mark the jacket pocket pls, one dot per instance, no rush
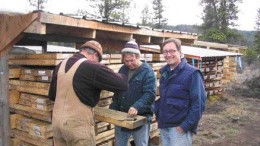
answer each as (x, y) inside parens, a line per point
(177, 110)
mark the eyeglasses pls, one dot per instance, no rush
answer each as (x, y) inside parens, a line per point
(165, 52)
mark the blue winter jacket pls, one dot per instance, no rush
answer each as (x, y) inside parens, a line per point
(182, 97)
(141, 93)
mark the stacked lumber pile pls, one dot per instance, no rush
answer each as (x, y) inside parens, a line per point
(229, 71)
(30, 77)
(213, 73)
(31, 110)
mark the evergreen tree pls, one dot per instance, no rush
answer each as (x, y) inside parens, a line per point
(218, 16)
(38, 4)
(111, 9)
(146, 17)
(159, 21)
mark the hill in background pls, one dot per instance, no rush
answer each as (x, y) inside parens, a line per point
(247, 35)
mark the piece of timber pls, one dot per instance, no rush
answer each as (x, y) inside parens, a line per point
(107, 143)
(37, 72)
(116, 56)
(30, 84)
(40, 56)
(32, 90)
(104, 136)
(13, 120)
(18, 142)
(14, 96)
(31, 139)
(14, 73)
(31, 112)
(30, 87)
(35, 62)
(118, 118)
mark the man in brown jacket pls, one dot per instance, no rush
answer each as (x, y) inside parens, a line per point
(75, 88)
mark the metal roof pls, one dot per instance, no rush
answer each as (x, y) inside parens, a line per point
(202, 52)
(198, 52)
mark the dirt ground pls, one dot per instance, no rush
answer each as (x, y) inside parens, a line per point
(233, 120)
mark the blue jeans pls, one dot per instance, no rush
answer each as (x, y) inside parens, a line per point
(171, 137)
(140, 136)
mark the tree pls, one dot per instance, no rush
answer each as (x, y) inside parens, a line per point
(111, 9)
(38, 4)
(257, 34)
(146, 17)
(218, 16)
(159, 21)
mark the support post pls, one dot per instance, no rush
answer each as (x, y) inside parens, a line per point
(4, 102)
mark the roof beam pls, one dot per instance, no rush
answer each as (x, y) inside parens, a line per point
(157, 40)
(71, 31)
(114, 35)
(12, 32)
(142, 39)
(36, 27)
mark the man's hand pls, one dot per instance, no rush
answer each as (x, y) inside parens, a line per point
(180, 130)
(132, 112)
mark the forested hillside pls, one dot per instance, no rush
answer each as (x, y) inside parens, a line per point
(248, 36)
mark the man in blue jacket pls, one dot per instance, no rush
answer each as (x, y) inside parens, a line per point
(182, 97)
(138, 99)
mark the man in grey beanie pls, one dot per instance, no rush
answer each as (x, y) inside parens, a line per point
(138, 99)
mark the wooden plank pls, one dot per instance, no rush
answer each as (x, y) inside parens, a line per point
(32, 90)
(115, 61)
(31, 139)
(30, 110)
(104, 136)
(13, 120)
(117, 118)
(33, 115)
(90, 24)
(14, 96)
(18, 142)
(115, 56)
(34, 62)
(55, 56)
(19, 24)
(149, 49)
(107, 143)
(104, 102)
(35, 78)
(106, 94)
(30, 84)
(154, 133)
(115, 66)
(37, 72)
(35, 127)
(14, 73)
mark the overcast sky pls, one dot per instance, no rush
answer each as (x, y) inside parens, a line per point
(177, 11)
